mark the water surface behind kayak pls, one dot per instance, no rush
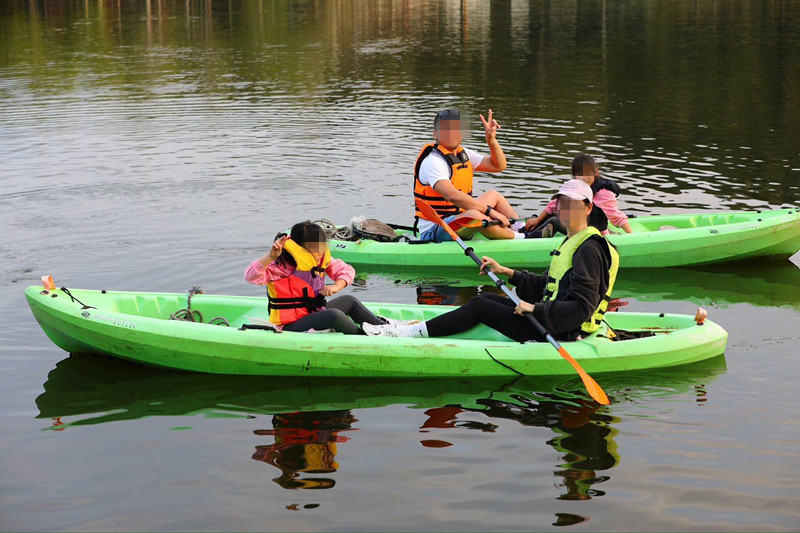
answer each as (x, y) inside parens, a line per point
(156, 145)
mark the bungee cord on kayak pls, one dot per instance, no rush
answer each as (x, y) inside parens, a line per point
(193, 315)
(68, 293)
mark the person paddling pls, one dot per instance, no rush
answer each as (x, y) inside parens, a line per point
(443, 178)
(605, 191)
(294, 272)
(569, 299)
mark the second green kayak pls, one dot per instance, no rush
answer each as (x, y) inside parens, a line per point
(657, 241)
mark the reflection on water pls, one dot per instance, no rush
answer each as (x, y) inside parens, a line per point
(583, 436)
(305, 442)
(310, 417)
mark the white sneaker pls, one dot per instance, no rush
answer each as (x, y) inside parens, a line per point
(390, 330)
(383, 330)
(398, 322)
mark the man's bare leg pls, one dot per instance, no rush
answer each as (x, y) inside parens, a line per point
(498, 202)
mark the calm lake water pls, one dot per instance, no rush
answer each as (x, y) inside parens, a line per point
(153, 145)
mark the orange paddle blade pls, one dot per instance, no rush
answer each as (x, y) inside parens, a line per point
(430, 213)
(463, 222)
(594, 390)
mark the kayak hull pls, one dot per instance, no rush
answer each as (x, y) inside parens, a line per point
(698, 240)
(135, 327)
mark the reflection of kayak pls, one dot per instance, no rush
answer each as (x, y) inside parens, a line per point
(773, 285)
(658, 241)
(136, 327)
(97, 390)
(776, 284)
(110, 390)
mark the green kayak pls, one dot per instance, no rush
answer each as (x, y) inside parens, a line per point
(137, 327)
(657, 241)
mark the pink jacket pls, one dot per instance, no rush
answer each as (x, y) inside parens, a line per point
(259, 274)
(605, 200)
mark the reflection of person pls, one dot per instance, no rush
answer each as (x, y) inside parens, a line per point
(443, 178)
(444, 295)
(305, 442)
(587, 446)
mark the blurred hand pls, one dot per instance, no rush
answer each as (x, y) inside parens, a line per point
(523, 307)
(489, 264)
(490, 126)
(329, 290)
(277, 247)
(495, 215)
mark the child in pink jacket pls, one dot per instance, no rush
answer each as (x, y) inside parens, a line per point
(605, 209)
(294, 272)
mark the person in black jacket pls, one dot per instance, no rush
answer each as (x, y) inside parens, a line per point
(579, 293)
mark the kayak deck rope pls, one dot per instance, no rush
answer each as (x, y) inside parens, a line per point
(75, 300)
(193, 315)
(344, 233)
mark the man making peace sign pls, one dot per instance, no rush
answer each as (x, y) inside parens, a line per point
(443, 179)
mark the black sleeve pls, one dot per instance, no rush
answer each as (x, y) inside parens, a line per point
(587, 278)
(530, 287)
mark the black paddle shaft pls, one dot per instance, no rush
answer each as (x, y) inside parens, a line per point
(487, 223)
(503, 287)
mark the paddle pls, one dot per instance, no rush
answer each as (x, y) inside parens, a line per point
(594, 390)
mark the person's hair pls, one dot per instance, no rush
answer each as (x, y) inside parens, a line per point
(301, 233)
(445, 114)
(581, 161)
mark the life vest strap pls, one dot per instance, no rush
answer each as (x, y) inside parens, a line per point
(429, 198)
(312, 303)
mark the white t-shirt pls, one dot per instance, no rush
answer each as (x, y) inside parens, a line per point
(434, 168)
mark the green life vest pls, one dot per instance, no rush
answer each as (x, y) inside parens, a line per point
(562, 262)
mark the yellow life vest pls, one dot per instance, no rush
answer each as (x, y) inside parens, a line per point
(562, 262)
(298, 294)
(460, 176)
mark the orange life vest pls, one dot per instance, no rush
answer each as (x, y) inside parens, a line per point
(298, 294)
(460, 177)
